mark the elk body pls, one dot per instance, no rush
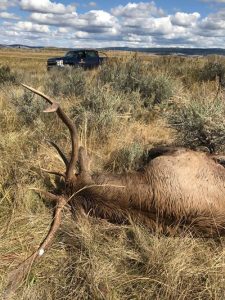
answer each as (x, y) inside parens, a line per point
(178, 188)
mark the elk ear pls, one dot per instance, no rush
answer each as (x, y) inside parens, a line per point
(84, 161)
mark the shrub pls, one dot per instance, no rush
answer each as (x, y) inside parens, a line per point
(155, 90)
(211, 71)
(129, 157)
(27, 108)
(200, 123)
(67, 82)
(6, 75)
(122, 75)
(133, 75)
(100, 109)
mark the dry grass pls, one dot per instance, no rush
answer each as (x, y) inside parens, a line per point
(93, 259)
(25, 58)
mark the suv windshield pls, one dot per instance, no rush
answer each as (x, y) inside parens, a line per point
(71, 54)
(77, 54)
(91, 54)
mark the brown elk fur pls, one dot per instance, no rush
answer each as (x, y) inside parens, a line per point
(178, 189)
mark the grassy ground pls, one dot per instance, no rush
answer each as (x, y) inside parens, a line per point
(122, 110)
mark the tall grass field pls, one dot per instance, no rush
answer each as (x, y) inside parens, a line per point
(127, 106)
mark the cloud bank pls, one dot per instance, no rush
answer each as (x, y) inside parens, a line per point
(141, 24)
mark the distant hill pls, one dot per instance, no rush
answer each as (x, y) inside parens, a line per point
(157, 51)
(3, 46)
(20, 46)
(174, 51)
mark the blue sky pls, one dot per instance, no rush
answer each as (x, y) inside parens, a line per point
(169, 6)
(159, 23)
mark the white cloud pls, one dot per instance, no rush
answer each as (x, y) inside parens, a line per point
(63, 30)
(92, 21)
(150, 26)
(137, 10)
(53, 19)
(6, 15)
(99, 18)
(45, 6)
(30, 27)
(92, 4)
(12, 33)
(213, 25)
(4, 4)
(184, 19)
(81, 35)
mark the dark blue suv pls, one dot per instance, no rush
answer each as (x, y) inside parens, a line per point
(85, 58)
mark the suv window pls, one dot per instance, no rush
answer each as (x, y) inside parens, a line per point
(90, 54)
(80, 54)
(71, 54)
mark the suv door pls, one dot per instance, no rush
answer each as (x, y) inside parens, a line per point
(75, 58)
(70, 58)
(81, 58)
(91, 59)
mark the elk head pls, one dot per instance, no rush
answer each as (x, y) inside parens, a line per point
(76, 177)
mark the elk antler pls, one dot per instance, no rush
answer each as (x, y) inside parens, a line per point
(54, 172)
(61, 154)
(17, 275)
(72, 129)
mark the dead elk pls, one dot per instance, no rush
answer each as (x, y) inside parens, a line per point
(178, 188)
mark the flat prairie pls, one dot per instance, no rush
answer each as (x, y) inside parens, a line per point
(122, 109)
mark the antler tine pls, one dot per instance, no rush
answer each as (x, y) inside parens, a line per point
(72, 129)
(38, 93)
(53, 172)
(61, 154)
(17, 275)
